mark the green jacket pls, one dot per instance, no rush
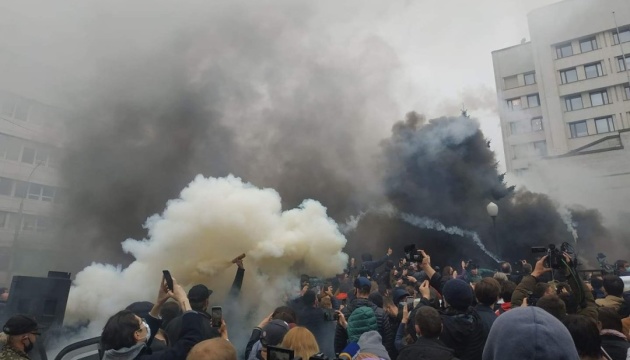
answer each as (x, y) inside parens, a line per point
(362, 320)
(10, 353)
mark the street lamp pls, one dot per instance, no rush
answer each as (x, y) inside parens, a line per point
(493, 211)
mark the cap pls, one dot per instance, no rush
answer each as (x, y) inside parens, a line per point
(199, 293)
(398, 294)
(361, 282)
(273, 332)
(20, 324)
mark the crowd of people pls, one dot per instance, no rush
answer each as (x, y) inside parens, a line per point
(387, 309)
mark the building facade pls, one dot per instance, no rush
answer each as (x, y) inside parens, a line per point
(565, 95)
(31, 194)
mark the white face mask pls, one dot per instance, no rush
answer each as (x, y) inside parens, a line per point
(148, 330)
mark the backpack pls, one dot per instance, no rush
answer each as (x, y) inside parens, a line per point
(362, 319)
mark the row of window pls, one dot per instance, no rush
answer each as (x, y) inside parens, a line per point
(14, 107)
(591, 71)
(33, 191)
(515, 104)
(19, 108)
(603, 125)
(523, 127)
(590, 43)
(512, 82)
(10, 220)
(536, 148)
(574, 102)
(15, 149)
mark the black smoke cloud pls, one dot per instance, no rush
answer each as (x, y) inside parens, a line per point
(443, 169)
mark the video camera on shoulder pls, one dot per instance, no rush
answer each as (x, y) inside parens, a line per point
(554, 255)
(412, 254)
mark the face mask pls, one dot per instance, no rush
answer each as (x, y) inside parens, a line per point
(628, 268)
(29, 347)
(148, 330)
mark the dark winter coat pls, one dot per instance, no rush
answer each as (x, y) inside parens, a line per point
(382, 320)
(615, 345)
(426, 349)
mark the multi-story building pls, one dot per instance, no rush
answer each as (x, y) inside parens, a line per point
(31, 141)
(564, 96)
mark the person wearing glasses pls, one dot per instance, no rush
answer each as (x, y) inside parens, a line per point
(22, 332)
(127, 336)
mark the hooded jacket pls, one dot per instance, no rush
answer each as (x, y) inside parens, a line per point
(382, 321)
(190, 335)
(427, 349)
(611, 301)
(529, 333)
(615, 344)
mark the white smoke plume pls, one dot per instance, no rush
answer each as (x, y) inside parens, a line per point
(196, 237)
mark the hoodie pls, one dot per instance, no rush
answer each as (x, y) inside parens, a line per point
(529, 333)
(126, 353)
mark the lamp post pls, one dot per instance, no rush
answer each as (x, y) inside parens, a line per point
(493, 211)
(18, 225)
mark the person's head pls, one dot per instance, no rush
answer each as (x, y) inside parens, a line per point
(447, 272)
(285, 314)
(370, 342)
(390, 307)
(457, 294)
(169, 311)
(272, 334)
(377, 299)
(124, 329)
(585, 335)
(309, 298)
(474, 269)
(500, 277)
(622, 265)
(597, 282)
(4, 294)
(487, 291)
(506, 268)
(399, 296)
(362, 287)
(21, 332)
(529, 333)
(301, 341)
(609, 319)
(215, 349)
(527, 269)
(541, 289)
(507, 288)
(428, 322)
(199, 297)
(140, 308)
(325, 302)
(613, 285)
(553, 305)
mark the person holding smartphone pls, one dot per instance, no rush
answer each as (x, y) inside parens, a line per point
(126, 336)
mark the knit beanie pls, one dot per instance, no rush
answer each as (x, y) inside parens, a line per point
(458, 294)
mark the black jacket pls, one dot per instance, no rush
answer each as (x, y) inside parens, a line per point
(426, 349)
(615, 346)
(384, 328)
(174, 328)
(487, 315)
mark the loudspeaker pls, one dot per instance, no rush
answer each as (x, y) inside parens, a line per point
(44, 299)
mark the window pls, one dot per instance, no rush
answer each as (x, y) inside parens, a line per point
(623, 65)
(533, 100)
(8, 105)
(574, 102)
(627, 90)
(48, 193)
(514, 104)
(6, 186)
(20, 189)
(537, 124)
(29, 222)
(3, 219)
(604, 125)
(519, 151)
(510, 82)
(599, 98)
(34, 191)
(564, 50)
(41, 156)
(623, 35)
(28, 155)
(568, 76)
(21, 110)
(541, 148)
(593, 70)
(530, 78)
(589, 44)
(578, 129)
(514, 128)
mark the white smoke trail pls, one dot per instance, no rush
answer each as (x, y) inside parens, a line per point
(567, 218)
(197, 235)
(420, 222)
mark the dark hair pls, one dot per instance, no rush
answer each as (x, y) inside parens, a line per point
(597, 282)
(613, 285)
(285, 314)
(428, 321)
(3, 290)
(119, 331)
(169, 311)
(447, 271)
(620, 264)
(540, 289)
(610, 319)
(527, 268)
(309, 298)
(487, 291)
(553, 305)
(507, 288)
(198, 305)
(585, 335)
(506, 268)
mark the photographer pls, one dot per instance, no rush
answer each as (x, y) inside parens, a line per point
(579, 301)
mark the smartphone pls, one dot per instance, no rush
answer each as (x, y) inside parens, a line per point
(168, 278)
(217, 316)
(278, 353)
